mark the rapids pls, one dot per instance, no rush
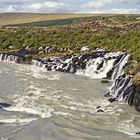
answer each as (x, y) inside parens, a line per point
(42, 105)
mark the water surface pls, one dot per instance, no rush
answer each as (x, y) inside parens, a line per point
(58, 106)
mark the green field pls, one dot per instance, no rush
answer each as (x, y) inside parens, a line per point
(117, 32)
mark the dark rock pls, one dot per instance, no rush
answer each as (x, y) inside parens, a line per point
(107, 94)
(100, 110)
(111, 100)
(4, 105)
(100, 65)
(117, 60)
(98, 107)
(75, 59)
(49, 68)
(109, 73)
(138, 133)
(136, 101)
(64, 65)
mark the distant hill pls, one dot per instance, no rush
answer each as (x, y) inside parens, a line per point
(21, 18)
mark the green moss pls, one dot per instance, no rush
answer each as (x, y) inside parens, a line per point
(136, 79)
(104, 81)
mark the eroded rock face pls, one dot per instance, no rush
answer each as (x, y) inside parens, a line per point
(136, 100)
(127, 89)
(136, 79)
(122, 88)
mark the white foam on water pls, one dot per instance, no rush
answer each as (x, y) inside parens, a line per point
(16, 120)
(42, 112)
(28, 103)
(54, 77)
(61, 113)
(37, 63)
(127, 127)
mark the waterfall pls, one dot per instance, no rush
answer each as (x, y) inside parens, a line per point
(107, 66)
(97, 68)
(96, 65)
(11, 58)
(119, 69)
(37, 63)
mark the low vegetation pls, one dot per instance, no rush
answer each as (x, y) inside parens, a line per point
(106, 32)
(111, 32)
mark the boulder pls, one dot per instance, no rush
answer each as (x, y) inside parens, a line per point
(4, 105)
(136, 100)
(136, 79)
(138, 133)
(85, 48)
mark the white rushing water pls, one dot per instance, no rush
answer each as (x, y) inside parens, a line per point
(92, 70)
(50, 105)
(96, 68)
(54, 105)
(8, 58)
(119, 69)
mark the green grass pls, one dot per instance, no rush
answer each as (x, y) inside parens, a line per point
(79, 34)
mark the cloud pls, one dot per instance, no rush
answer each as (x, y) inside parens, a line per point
(8, 8)
(69, 6)
(33, 6)
(138, 2)
(124, 11)
(49, 7)
(98, 4)
(118, 11)
(48, 4)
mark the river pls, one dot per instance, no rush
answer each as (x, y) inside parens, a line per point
(59, 106)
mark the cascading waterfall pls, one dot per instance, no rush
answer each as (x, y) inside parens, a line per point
(110, 65)
(11, 58)
(122, 88)
(118, 70)
(97, 65)
(37, 63)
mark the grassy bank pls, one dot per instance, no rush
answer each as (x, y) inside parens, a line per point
(114, 33)
(106, 33)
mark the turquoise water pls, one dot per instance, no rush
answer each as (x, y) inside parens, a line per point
(48, 23)
(54, 22)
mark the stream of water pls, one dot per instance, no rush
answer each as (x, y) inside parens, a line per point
(59, 106)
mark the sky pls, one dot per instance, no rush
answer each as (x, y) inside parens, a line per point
(71, 6)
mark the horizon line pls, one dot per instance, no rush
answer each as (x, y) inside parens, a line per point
(68, 13)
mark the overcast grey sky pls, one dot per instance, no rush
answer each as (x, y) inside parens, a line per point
(65, 6)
